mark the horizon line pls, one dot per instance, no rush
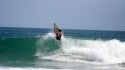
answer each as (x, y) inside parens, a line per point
(62, 29)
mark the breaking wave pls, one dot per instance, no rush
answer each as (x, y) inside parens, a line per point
(80, 50)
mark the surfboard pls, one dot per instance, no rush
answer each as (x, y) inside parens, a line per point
(55, 27)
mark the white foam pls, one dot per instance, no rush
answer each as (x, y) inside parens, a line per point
(49, 35)
(110, 51)
(11, 68)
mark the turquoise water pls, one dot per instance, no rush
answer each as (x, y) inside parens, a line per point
(35, 48)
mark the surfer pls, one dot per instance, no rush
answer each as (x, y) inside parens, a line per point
(58, 33)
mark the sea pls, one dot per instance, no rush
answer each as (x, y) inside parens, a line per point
(37, 49)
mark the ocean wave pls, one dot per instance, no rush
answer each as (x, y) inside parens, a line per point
(99, 51)
(68, 50)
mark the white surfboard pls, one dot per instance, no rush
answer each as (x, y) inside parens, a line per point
(55, 27)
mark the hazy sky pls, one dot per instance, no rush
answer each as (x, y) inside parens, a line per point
(72, 14)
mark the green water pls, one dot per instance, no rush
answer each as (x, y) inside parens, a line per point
(15, 50)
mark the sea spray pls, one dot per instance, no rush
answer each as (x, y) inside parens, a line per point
(47, 44)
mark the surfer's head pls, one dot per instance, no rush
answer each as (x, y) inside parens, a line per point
(59, 30)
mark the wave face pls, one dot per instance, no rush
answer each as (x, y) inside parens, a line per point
(17, 50)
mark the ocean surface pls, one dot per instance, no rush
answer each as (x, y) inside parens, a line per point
(37, 49)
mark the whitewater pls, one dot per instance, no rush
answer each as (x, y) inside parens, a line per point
(94, 51)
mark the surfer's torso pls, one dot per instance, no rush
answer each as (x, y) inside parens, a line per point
(58, 35)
